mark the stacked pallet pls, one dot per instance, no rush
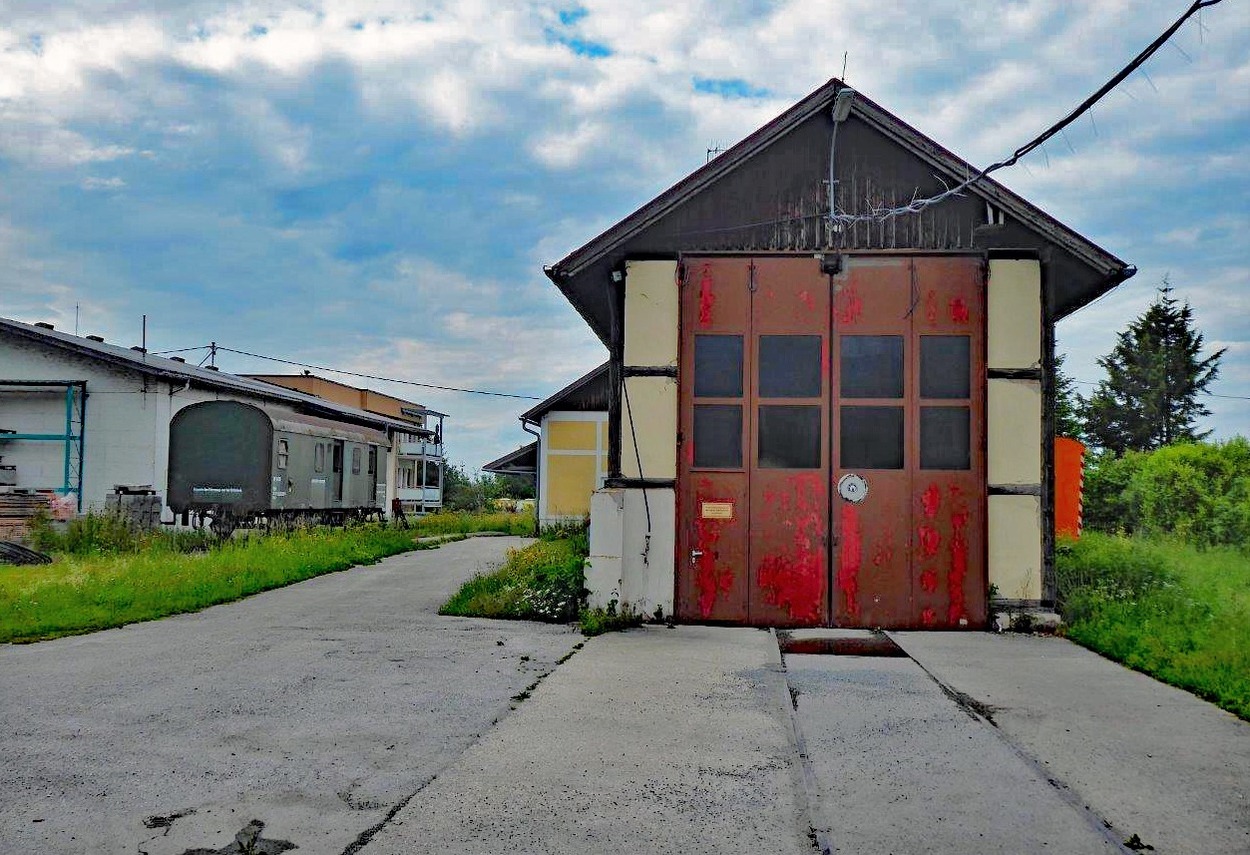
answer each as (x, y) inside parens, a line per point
(17, 507)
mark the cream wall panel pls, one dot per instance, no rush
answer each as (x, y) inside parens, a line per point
(651, 312)
(653, 403)
(1014, 314)
(1014, 441)
(1015, 546)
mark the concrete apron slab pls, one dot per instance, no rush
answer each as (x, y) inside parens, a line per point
(898, 767)
(656, 740)
(1152, 760)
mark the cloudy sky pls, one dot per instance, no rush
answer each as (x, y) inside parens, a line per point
(376, 185)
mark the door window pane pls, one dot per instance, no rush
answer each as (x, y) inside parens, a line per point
(944, 441)
(944, 366)
(718, 436)
(789, 437)
(718, 366)
(872, 438)
(872, 366)
(790, 366)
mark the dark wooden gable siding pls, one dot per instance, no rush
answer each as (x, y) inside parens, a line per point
(774, 198)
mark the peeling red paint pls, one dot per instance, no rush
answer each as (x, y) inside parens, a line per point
(849, 558)
(850, 305)
(929, 539)
(710, 579)
(959, 310)
(706, 298)
(959, 565)
(806, 297)
(931, 307)
(883, 550)
(795, 579)
(928, 617)
(931, 499)
(929, 579)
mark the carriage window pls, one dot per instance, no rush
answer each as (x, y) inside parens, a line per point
(373, 460)
(355, 461)
(944, 366)
(944, 441)
(718, 436)
(872, 366)
(718, 366)
(872, 438)
(789, 437)
(319, 458)
(790, 366)
(284, 454)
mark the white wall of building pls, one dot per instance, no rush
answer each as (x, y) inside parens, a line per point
(127, 424)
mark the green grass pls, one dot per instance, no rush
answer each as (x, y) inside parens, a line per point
(83, 593)
(467, 523)
(1167, 609)
(543, 581)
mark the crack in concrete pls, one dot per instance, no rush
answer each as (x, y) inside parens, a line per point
(362, 840)
(818, 837)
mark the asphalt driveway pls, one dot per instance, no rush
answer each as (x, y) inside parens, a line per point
(316, 709)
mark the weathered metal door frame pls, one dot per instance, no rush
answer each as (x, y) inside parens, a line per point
(715, 505)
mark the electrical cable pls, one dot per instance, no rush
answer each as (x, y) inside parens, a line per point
(646, 503)
(918, 205)
(376, 376)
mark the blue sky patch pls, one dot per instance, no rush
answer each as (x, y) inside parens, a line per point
(729, 87)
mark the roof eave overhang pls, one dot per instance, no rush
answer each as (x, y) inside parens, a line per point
(1112, 269)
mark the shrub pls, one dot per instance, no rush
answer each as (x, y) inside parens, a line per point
(1197, 491)
(543, 581)
(458, 522)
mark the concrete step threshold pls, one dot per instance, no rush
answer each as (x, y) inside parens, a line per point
(838, 642)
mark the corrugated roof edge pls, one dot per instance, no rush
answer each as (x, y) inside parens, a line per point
(535, 413)
(876, 116)
(168, 369)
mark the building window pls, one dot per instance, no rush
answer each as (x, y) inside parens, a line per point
(284, 455)
(356, 460)
(872, 366)
(718, 366)
(790, 366)
(789, 437)
(872, 438)
(718, 436)
(319, 458)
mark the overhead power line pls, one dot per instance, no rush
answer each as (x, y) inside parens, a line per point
(223, 349)
(917, 205)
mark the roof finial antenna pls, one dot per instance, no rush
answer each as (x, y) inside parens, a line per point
(845, 54)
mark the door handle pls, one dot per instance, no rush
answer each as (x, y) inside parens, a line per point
(695, 555)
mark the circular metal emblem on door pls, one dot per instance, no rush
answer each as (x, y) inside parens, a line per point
(853, 488)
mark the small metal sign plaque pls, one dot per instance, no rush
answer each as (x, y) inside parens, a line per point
(716, 510)
(853, 488)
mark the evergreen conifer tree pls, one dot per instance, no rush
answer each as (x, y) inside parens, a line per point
(1067, 409)
(1150, 397)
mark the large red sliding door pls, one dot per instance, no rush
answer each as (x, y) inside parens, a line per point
(849, 405)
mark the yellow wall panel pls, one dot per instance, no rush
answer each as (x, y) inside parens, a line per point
(571, 478)
(570, 435)
(1015, 546)
(653, 402)
(1014, 428)
(1014, 338)
(651, 312)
